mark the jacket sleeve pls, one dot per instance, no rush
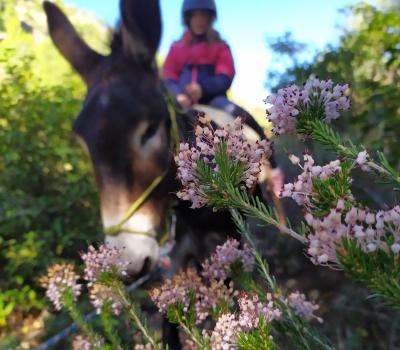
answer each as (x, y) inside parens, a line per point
(224, 73)
(170, 72)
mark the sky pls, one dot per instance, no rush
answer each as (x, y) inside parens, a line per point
(245, 25)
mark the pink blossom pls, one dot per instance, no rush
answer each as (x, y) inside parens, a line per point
(176, 290)
(369, 229)
(224, 333)
(302, 190)
(292, 102)
(209, 296)
(59, 279)
(302, 306)
(218, 266)
(252, 310)
(82, 343)
(362, 158)
(208, 140)
(100, 294)
(103, 259)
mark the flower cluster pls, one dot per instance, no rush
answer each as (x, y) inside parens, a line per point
(210, 296)
(208, 141)
(176, 290)
(60, 278)
(302, 306)
(100, 294)
(369, 229)
(186, 288)
(81, 343)
(208, 293)
(362, 158)
(302, 189)
(103, 259)
(225, 331)
(219, 264)
(251, 310)
(292, 102)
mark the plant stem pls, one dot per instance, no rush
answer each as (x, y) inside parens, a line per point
(193, 335)
(132, 313)
(261, 212)
(106, 321)
(77, 317)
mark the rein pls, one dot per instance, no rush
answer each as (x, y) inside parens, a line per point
(174, 136)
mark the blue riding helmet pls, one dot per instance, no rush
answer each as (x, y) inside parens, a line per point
(190, 5)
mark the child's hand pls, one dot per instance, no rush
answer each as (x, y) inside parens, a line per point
(194, 91)
(184, 100)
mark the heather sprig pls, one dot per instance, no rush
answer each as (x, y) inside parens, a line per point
(102, 260)
(293, 107)
(61, 278)
(325, 135)
(292, 323)
(220, 155)
(218, 266)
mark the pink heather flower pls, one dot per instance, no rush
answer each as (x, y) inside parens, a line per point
(143, 347)
(81, 343)
(99, 294)
(218, 266)
(60, 278)
(367, 228)
(362, 158)
(252, 310)
(292, 101)
(295, 160)
(302, 306)
(252, 156)
(209, 296)
(283, 112)
(103, 259)
(176, 290)
(224, 333)
(302, 190)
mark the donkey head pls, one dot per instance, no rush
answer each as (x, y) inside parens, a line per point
(123, 124)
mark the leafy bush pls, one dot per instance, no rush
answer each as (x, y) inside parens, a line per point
(48, 204)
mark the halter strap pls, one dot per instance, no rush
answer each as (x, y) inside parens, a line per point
(116, 229)
(174, 135)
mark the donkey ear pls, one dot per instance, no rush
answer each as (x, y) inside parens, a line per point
(141, 27)
(69, 43)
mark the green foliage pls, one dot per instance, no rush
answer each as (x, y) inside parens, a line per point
(259, 339)
(379, 270)
(230, 173)
(48, 204)
(329, 190)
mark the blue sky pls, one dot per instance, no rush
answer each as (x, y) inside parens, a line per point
(245, 24)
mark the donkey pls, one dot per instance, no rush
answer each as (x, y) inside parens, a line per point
(124, 125)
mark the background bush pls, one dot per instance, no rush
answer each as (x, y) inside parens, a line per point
(48, 204)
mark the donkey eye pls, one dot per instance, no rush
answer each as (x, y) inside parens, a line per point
(149, 133)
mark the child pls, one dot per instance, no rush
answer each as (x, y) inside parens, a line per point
(199, 67)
